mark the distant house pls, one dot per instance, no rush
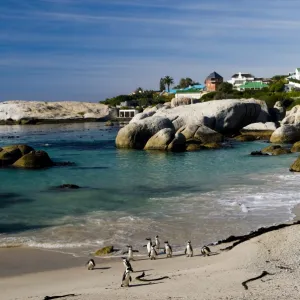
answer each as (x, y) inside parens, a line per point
(254, 85)
(212, 81)
(239, 79)
(294, 79)
(127, 113)
(193, 91)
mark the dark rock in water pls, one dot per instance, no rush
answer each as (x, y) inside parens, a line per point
(104, 250)
(10, 154)
(68, 186)
(275, 150)
(6, 202)
(295, 167)
(34, 160)
(64, 164)
(259, 153)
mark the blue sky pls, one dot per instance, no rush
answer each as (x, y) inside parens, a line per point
(88, 50)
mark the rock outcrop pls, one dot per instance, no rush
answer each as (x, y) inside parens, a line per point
(32, 112)
(278, 112)
(296, 147)
(259, 130)
(200, 133)
(34, 160)
(136, 134)
(199, 123)
(220, 115)
(275, 150)
(161, 139)
(293, 118)
(10, 154)
(286, 134)
(181, 101)
(105, 250)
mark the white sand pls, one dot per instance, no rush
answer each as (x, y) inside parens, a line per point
(215, 277)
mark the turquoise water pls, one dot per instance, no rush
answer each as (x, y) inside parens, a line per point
(127, 196)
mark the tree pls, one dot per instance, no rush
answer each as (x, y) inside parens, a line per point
(168, 80)
(186, 82)
(162, 85)
(225, 87)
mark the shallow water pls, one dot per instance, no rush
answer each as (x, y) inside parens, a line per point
(129, 195)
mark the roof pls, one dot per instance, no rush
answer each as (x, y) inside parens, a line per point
(253, 85)
(214, 75)
(247, 75)
(191, 90)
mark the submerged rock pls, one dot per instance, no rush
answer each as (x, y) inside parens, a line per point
(258, 153)
(34, 160)
(105, 250)
(68, 186)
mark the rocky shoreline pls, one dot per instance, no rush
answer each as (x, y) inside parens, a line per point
(37, 112)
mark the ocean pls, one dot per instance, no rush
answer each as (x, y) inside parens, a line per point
(128, 195)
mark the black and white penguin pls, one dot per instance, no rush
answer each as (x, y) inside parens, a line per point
(130, 253)
(168, 249)
(90, 264)
(153, 253)
(149, 245)
(127, 264)
(189, 250)
(157, 243)
(126, 278)
(205, 251)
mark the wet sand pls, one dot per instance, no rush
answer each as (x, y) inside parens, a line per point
(215, 277)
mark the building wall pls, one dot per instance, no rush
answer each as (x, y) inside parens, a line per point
(211, 86)
(188, 95)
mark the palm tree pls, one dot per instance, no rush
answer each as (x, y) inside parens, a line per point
(168, 80)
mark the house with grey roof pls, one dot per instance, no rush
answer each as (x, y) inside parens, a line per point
(212, 81)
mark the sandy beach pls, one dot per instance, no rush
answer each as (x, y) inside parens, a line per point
(34, 274)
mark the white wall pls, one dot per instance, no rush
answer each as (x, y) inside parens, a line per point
(189, 95)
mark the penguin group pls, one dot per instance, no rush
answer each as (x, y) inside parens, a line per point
(153, 250)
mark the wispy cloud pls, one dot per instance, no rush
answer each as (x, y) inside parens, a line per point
(98, 48)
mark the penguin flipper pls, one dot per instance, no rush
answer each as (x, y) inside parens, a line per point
(125, 252)
(185, 251)
(124, 276)
(130, 278)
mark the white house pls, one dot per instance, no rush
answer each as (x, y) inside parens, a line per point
(127, 113)
(294, 79)
(240, 79)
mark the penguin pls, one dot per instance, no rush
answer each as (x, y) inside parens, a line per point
(126, 278)
(157, 243)
(130, 253)
(168, 249)
(205, 251)
(127, 264)
(189, 250)
(149, 244)
(91, 264)
(153, 253)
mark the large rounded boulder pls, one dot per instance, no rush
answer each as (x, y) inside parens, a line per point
(34, 160)
(160, 140)
(10, 154)
(286, 134)
(135, 135)
(200, 133)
